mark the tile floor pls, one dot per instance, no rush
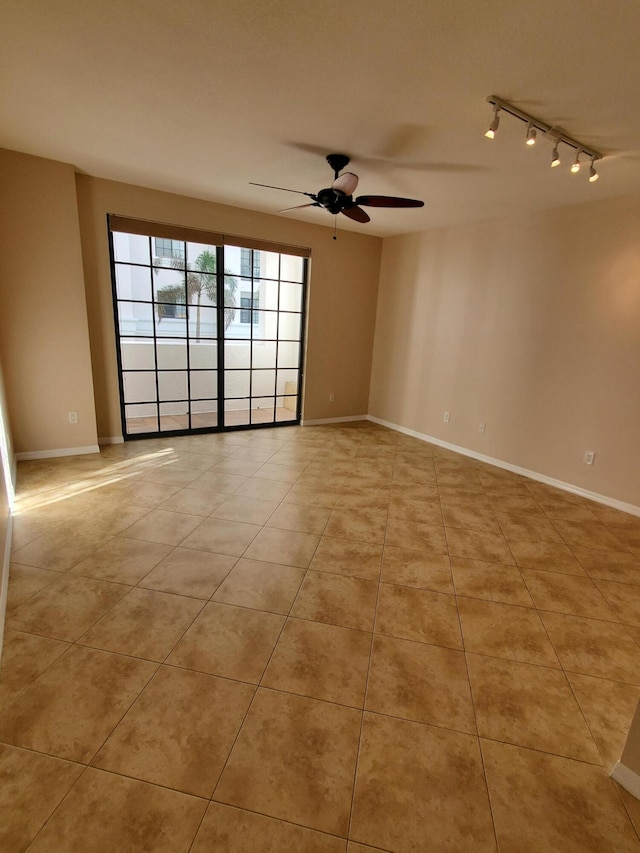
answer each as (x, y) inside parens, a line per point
(315, 639)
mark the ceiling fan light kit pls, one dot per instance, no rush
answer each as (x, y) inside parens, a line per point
(533, 126)
(338, 198)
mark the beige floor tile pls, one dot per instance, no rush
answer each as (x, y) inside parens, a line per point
(593, 647)
(167, 528)
(472, 545)
(233, 830)
(371, 498)
(303, 519)
(218, 481)
(105, 521)
(172, 475)
(545, 556)
(575, 596)
(491, 581)
(543, 802)
(147, 494)
(109, 812)
(262, 586)
(57, 550)
(250, 510)
(283, 546)
(194, 502)
(122, 560)
(283, 473)
(619, 566)
(232, 642)
(292, 750)
(415, 681)
(425, 512)
(420, 569)
(632, 805)
(320, 661)
(236, 465)
(608, 707)
(222, 537)
(179, 732)
(188, 572)
(346, 557)
(426, 492)
(624, 598)
(587, 535)
(25, 581)
(420, 788)
(416, 536)
(67, 608)
(505, 631)
(418, 614)
(31, 786)
(354, 847)
(145, 624)
(469, 517)
(357, 525)
(529, 527)
(530, 706)
(345, 601)
(71, 708)
(24, 658)
(268, 490)
(310, 495)
(25, 530)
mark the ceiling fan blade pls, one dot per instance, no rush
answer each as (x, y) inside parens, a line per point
(269, 187)
(298, 206)
(357, 213)
(387, 201)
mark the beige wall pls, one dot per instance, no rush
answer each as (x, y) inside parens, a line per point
(44, 343)
(531, 326)
(342, 295)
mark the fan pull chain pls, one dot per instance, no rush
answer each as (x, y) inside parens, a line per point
(335, 227)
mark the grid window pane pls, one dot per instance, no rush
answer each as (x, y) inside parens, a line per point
(236, 412)
(290, 296)
(139, 387)
(203, 322)
(131, 248)
(264, 354)
(173, 416)
(288, 354)
(203, 354)
(172, 355)
(263, 383)
(204, 383)
(135, 319)
(291, 268)
(172, 385)
(237, 354)
(141, 418)
(287, 382)
(237, 383)
(289, 326)
(137, 354)
(133, 282)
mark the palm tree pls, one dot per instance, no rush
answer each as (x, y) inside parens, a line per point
(201, 279)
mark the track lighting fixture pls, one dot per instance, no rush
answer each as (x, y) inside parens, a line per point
(535, 126)
(491, 132)
(576, 163)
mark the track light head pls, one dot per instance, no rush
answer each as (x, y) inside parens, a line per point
(593, 175)
(555, 157)
(491, 132)
(576, 163)
(531, 135)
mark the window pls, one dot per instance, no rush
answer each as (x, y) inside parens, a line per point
(245, 308)
(249, 267)
(169, 248)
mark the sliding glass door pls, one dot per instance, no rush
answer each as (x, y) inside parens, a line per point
(209, 335)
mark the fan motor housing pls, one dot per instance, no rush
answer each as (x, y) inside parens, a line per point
(333, 200)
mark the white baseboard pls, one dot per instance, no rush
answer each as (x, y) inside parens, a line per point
(629, 780)
(4, 578)
(516, 469)
(110, 439)
(346, 419)
(59, 451)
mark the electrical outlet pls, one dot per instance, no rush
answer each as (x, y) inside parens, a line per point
(332, 397)
(446, 417)
(481, 427)
(73, 417)
(589, 456)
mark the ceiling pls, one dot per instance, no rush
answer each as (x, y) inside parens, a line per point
(200, 97)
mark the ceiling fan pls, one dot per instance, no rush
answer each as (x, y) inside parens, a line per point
(338, 198)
